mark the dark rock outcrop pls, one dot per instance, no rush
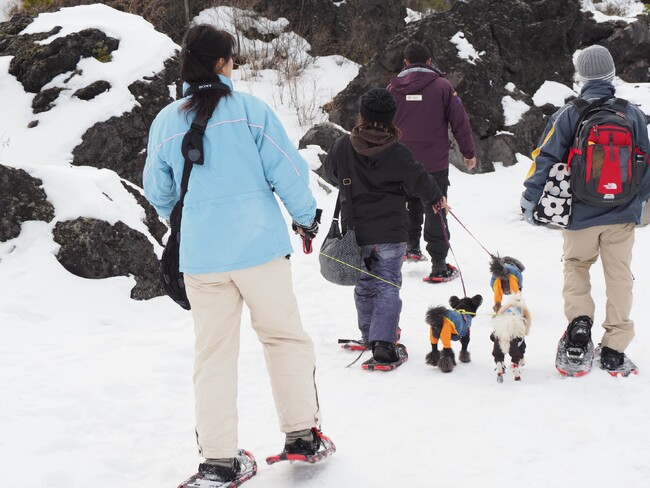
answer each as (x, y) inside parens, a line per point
(44, 100)
(95, 249)
(21, 199)
(119, 142)
(355, 29)
(35, 65)
(11, 43)
(323, 136)
(91, 91)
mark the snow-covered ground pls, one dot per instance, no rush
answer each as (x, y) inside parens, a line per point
(96, 390)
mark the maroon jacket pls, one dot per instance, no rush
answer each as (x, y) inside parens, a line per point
(426, 105)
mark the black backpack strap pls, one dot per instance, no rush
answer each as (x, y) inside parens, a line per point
(584, 107)
(580, 104)
(620, 105)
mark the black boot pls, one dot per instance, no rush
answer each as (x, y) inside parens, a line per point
(610, 359)
(384, 352)
(579, 332)
(304, 442)
(225, 469)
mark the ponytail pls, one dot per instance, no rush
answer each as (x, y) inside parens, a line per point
(203, 46)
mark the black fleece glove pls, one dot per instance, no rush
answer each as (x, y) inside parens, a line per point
(311, 230)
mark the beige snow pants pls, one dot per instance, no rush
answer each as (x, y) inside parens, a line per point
(217, 300)
(581, 249)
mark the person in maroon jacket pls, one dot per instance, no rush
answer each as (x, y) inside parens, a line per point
(427, 105)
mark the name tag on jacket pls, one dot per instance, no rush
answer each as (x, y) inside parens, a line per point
(413, 98)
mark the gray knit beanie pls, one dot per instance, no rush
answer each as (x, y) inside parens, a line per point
(595, 63)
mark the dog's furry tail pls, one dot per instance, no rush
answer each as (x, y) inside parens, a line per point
(497, 268)
(497, 265)
(515, 262)
(435, 317)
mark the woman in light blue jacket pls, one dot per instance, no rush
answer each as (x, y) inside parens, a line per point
(234, 247)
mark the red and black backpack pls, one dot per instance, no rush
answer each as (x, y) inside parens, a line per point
(606, 166)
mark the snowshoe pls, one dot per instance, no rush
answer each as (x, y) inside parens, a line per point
(451, 273)
(247, 469)
(573, 360)
(616, 364)
(326, 448)
(414, 256)
(373, 365)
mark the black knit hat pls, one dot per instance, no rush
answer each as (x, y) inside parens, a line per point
(378, 105)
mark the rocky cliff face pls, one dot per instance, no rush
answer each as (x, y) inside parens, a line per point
(355, 29)
(523, 43)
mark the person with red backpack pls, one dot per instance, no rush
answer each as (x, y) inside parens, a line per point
(604, 143)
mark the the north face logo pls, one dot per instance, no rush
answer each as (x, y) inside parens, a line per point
(611, 186)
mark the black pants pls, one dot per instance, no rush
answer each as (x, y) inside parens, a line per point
(434, 232)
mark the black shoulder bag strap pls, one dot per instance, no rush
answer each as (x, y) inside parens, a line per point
(192, 150)
(346, 181)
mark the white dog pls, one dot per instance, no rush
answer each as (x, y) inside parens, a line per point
(511, 325)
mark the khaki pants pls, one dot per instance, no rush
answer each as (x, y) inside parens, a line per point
(217, 300)
(581, 249)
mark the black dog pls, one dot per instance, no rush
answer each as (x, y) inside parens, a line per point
(451, 325)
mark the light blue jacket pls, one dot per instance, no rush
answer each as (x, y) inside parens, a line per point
(231, 217)
(554, 146)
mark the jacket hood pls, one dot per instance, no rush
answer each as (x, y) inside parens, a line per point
(370, 141)
(414, 78)
(597, 89)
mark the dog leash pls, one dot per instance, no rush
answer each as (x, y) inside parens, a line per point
(474, 237)
(444, 232)
(359, 269)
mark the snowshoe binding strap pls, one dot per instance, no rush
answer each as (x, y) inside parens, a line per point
(327, 448)
(353, 345)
